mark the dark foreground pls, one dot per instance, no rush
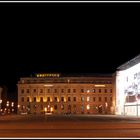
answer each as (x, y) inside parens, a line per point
(69, 126)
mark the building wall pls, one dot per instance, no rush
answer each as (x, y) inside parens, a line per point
(75, 98)
(128, 91)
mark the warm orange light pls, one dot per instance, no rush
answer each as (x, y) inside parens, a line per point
(44, 99)
(88, 107)
(51, 109)
(45, 109)
(99, 85)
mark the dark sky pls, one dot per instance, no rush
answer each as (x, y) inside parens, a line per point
(66, 38)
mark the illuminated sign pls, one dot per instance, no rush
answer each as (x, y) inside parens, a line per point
(99, 85)
(48, 75)
(48, 85)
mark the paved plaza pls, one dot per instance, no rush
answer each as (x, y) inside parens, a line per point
(69, 126)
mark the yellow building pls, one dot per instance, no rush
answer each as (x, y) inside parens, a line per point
(53, 93)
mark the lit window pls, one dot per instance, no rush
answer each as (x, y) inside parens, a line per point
(82, 98)
(88, 98)
(88, 107)
(94, 90)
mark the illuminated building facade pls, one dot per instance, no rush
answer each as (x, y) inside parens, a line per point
(53, 93)
(128, 88)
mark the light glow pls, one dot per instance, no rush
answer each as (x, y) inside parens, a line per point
(45, 109)
(99, 85)
(51, 109)
(88, 107)
(48, 85)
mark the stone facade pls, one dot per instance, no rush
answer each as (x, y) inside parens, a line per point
(66, 94)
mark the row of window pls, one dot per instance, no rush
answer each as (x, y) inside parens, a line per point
(56, 99)
(69, 90)
(62, 107)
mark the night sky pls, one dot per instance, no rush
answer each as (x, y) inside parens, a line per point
(74, 38)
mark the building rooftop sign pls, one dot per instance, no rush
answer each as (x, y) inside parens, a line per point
(47, 75)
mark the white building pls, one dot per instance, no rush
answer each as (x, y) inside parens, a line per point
(128, 88)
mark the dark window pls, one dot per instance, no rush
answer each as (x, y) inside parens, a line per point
(74, 98)
(41, 99)
(82, 90)
(28, 99)
(99, 90)
(34, 90)
(55, 99)
(62, 99)
(94, 90)
(105, 99)
(34, 99)
(62, 90)
(74, 90)
(41, 90)
(105, 90)
(100, 99)
(68, 90)
(94, 99)
(68, 98)
(55, 107)
(48, 99)
(28, 91)
(110, 90)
